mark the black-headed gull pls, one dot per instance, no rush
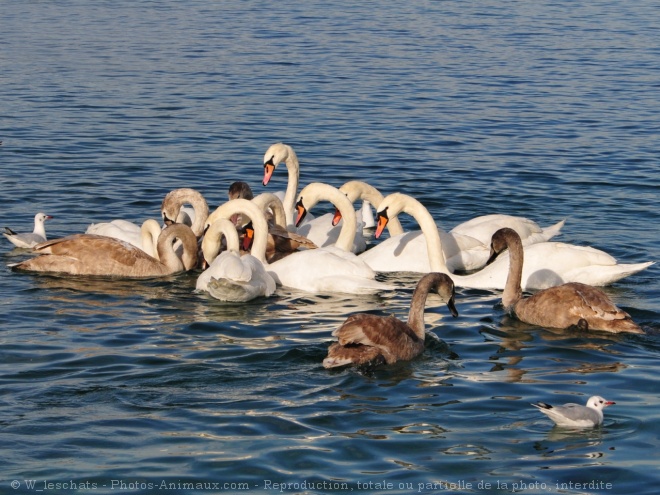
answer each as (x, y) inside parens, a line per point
(29, 239)
(575, 415)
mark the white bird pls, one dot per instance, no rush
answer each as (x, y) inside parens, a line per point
(546, 263)
(575, 415)
(328, 269)
(230, 276)
(29, 239)
(323, 230)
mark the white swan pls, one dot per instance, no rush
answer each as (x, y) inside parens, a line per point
(321, 230)
(174, 201)
(230, 276)
(144, 237)
(356, 190)
(29, 239)
(95, 255)
(483, 227)
(327, 269)
(546, 263)
(283, 153)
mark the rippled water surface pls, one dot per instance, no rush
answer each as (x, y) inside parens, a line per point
(547, 110)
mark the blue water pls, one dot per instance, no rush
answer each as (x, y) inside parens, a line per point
(547, 110)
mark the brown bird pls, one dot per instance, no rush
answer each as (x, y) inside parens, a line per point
(366, 338)
(96, 255)
(569, 305)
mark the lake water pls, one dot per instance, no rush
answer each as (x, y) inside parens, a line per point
(547, 110)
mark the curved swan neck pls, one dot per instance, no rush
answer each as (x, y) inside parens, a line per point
(268, 201)
(318, 191)
(174, 200)
(251, 210)
(166, 253)
(357, 189)
(439, 283)
(509, 238)
(212, 242)
(149, 233)
(397, 203)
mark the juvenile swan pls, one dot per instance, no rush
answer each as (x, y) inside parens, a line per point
(29, 239)
(562, 306)
(89, 254)
(365, 338)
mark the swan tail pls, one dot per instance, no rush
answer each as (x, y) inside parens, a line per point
(606, 275)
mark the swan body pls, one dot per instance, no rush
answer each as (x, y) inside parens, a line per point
(563, 306)
(576, 415)
(483, 227)
(27, 240)
(320, 230)
(327, 269)
(144, 237)
(174, 202)
(366, 338)
(89, 254)
(231, 276)
(546, 263)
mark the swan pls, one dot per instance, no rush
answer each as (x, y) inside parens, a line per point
(483, 227)
(172, 205)
(321, 230)
(230, 276)
(563, 306)
(144, 237)
(327, 269)
(366, 338)
(281, 242)
(546, 263)
(356, 190)
(89, 254)
(29, 239)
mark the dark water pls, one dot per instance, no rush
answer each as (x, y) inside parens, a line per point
(541, 109)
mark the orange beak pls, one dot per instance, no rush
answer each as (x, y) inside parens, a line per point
(337, 218)
(382, 223)
(248, 237)
(269, 168)
(302, 212)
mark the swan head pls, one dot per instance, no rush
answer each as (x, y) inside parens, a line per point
(500, 242)
(276, 154)
(240, 189)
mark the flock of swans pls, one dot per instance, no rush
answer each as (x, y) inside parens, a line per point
(251, 244)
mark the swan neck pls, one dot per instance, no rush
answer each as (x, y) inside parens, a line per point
(417, 304)
(512, 288)
(293, 168)
(315, 192)
(212, 242)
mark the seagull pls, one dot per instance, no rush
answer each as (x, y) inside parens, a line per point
(575, 415)
(29, 239)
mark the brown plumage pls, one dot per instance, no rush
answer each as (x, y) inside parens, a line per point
(96, 255)
(573, 305)
(366, 338)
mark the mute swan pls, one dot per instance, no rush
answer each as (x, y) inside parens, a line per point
(365, 338)
(89, 254)
(328, 269)
(575, 415)
(562, 306)
(29, 239)
(174, 201)
(230, 276)
(144, 237)
(281, 242)
(321, 230)
(546, 263)
(356, 189)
